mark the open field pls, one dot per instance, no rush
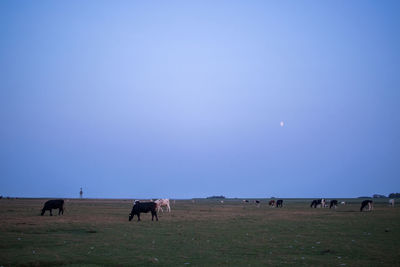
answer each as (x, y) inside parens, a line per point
(203, 233)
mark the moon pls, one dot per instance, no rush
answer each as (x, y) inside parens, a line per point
(282, 123)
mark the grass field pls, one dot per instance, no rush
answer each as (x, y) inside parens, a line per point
(203, 233)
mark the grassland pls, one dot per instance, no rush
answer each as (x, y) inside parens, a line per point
(203, 233)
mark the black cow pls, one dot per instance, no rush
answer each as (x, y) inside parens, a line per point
(145, 207)
(366, 203)
(279, 203)
(53, 204)
(333, 203)
(317, 202)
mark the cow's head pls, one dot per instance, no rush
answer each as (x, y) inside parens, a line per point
(130, 216)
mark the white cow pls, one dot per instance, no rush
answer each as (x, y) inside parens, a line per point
(163, 202)
(391, 202)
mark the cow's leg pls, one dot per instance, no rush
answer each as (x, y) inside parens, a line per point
(155, 214)
(138, 217)
(51, 214)
(168, 208)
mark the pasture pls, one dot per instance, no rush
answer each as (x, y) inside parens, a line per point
(203, 233)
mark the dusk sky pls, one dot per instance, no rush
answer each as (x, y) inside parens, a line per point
(182, 99)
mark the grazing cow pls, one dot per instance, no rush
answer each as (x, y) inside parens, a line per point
(163, 202)
(318, 202)
(391, 202)
(271, 203)
(333, 203)
(367, 203)
(145, 207)
(279, 203)
(53, 204)
(245, 201)
(257, 202)
(343, 203)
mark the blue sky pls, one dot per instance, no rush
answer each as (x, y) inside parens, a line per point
(182, 99)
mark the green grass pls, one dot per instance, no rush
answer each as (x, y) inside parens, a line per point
(204, 233)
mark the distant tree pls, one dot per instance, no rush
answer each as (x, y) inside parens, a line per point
(364, 197)
(378, 196)
(216, 197)
(394, 195)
